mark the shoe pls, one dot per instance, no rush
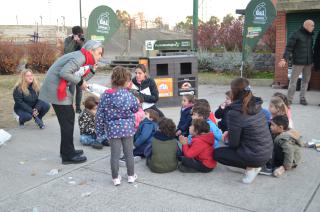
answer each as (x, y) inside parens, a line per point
(78, 151)
(16, 117)
(303, 102)
(105, 143)
(132, 179)
(250, 175)
(78, 110)
(279, 171)
(117, 181)
(97, 145)
(39, 122)
(266, 171)
(136, 159)
(185, 169)
(74, 160)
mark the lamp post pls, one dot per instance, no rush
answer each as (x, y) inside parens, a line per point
(40, 19)
(80, 13)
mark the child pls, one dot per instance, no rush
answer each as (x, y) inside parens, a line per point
(203, 114)
(286, 102)
(221, 112)
(161, 152)
(146, 130)
(185, 115)
(205, 103)
(198, 156)
(115, 119)
(287, 143)
(87, 123)
(278, 107)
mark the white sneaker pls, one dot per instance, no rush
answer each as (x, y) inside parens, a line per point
(250, 175)
(117, 181)
(136, 159)
(133, 178)
(16, 117)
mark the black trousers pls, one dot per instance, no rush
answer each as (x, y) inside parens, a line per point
(66, 116)
(78, 96)
(194, 164)
(230, 157)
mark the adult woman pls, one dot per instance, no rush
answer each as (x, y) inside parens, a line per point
(58, 89)
(26, 102)
(250, 142)
(147, 89)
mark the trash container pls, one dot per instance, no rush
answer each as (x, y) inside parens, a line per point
(175, 76)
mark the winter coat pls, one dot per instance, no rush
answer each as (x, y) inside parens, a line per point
(147, 90)
(86, 122)
(115, 114)
(145, 132)
(201, 149)
(290, 142)
(249, 133)
(26, 102)
(161, 153)
(71, 45)
(185, 120)
(300, 46)
(64, 67)
(222, 114)
(317, 53)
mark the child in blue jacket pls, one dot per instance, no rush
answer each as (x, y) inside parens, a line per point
(185, 115)
(147, 129)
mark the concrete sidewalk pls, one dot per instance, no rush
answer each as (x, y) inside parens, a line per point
(32, 153)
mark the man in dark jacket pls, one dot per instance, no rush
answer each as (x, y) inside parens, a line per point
(300, 47)
(73, 43)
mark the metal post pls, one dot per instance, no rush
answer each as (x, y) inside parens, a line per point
(80, 13)
(195, 25)
(40, 19)
(17, 19)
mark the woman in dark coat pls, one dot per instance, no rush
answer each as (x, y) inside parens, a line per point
(250, 143)
(26, 102)
(147, 89)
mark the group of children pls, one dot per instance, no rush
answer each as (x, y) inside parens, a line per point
(116, 119)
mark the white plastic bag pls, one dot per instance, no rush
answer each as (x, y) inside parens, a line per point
(4, 137)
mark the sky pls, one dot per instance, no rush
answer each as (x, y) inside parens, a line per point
(28, 12)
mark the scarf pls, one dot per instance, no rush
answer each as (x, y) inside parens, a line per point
(62, 87)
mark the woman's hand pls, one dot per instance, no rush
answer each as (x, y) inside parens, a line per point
(178, 133)
(183, 140)
(35, 112)
(282, 63)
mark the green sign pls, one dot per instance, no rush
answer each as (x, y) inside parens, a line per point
(168, 44)
(259, 16)
(103, 23)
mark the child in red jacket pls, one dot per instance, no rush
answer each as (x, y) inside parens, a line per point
(198, 156)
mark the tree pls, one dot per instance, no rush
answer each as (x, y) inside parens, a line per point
(230, 33)
(158, 21)
(123, 16)
(227, 20)
(214, 21)
(269, 38)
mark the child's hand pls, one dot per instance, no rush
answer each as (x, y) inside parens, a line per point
(183, 140)
(178, 133)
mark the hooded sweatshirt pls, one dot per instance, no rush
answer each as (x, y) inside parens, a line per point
(201, 149)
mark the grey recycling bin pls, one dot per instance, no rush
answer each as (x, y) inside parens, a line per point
(175, 76)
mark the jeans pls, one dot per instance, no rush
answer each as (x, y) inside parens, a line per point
(127, 145)
(78, 97)
(195, 165)
(25, 116)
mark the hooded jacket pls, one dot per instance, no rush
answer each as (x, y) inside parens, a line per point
(201, 149)
(249, 133)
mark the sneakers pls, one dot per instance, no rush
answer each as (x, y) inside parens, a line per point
(279, 171)
(250, 175)
(97, 145)
(132, 179)
(266, 171)
(122, 160)
(117, 181)
(303, 101)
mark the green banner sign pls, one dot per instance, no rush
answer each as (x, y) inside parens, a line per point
(168, 44)
(259, 16)
(103, 23)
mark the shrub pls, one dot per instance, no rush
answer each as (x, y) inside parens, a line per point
(10, 55)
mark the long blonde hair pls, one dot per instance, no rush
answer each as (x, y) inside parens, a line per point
(22, 85)
(280, 106)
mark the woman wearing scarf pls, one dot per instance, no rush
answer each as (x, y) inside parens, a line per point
(68, 71)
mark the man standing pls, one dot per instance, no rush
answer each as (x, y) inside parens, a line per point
(300, 46)
(73, 43)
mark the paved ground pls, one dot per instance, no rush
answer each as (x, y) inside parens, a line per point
(32, 153)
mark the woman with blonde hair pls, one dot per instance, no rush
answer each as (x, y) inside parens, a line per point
(27, 105)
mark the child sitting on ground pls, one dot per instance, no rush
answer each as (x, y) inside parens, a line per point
(205, 103)
(198, 156)
(185, 115)
(161, 152)
(147, 129)
(287, 143)
(203, 113)
(286, 102)
(277, 107)
(221, 112)
(86, 123)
